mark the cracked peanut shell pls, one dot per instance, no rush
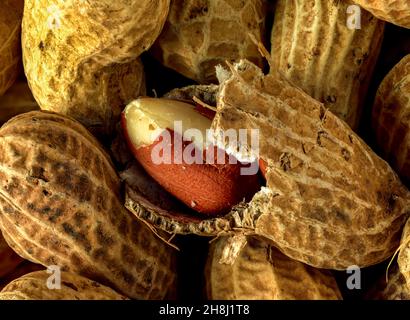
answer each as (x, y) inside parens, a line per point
(60, 204)
(11, 14)
(81, 58)
(329, 200)
(200, 34)
(391, 117)
(261, 272)
(33, 286)
(313, 47)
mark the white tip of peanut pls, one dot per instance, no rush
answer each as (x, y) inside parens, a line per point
(147, 118)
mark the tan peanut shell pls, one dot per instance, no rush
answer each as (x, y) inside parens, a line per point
(60, 205)
(404, 255)
(9, 260)
(18, 99)
(330, 201)
(394, 289)
(393, 11)
(261, 272)
(314, 47)
(205, 93)
(11, 13)
(33, 286)
(391, 117)
(81, 58)
(200, 34)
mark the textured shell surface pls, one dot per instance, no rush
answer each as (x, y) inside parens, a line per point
(404, 255)
(200, 34)
(11, 14)
(261, 272)
(314, 47)
(33, 286)
(60, 205)
(330, 201)
(391, 117)
(82, 60)
(394, 11)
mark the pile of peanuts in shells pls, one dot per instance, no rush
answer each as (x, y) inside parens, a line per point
(204, 149)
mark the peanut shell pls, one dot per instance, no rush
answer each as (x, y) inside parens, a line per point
(205, 93)
(33, 286)
(81, 59)
(314, 48)
(11, 14)
(391, 117)
(60, 205)
(404, 255)
(261, 272)
(330, 201)
(200, 34)
(393, 11)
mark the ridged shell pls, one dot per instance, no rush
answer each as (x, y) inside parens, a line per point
(60, 205)
(11, 14)
(330, 201)
(33, 286)
(391, 117)
(404, 255)
(261, 272)
(81, 57)
(395, 289)
(9, 260)
(313, 47)
(200, 34)
(394, 11)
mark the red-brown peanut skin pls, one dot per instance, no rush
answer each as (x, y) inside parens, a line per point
(208, 188)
